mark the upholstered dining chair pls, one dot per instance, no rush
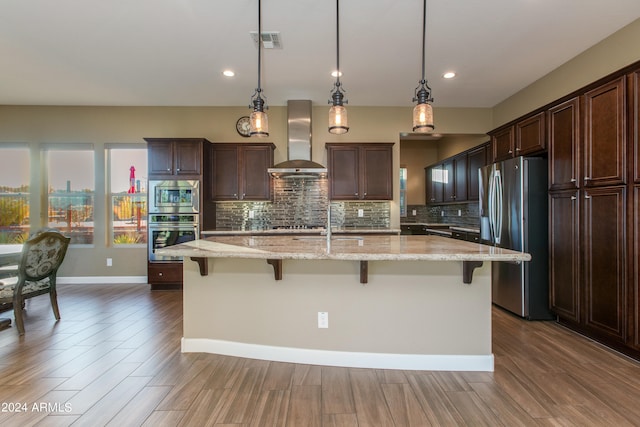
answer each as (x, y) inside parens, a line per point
(42, 255)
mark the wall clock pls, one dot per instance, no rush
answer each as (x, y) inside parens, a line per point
(243, 126)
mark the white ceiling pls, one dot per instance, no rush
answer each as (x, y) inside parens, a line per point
(173, 52)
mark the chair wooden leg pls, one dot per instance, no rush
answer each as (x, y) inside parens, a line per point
(18, 307)
(54, 304)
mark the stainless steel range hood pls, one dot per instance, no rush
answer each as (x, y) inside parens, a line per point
(299, 164)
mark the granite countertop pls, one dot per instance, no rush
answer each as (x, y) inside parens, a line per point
(436, 226)
(360, 248)
(294, 231)
(466, 229)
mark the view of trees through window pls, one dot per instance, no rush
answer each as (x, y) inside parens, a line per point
(128, 181)
(14, 195)
(71, 187)
(70, 191)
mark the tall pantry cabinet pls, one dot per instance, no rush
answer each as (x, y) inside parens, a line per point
(593, 211)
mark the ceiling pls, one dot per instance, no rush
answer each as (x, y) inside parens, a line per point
(173, 52)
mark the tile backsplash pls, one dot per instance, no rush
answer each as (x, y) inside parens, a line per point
(301, 201)
(465, 214)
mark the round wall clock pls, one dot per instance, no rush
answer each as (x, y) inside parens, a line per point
(243, 126)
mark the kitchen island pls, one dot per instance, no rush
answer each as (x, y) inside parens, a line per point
(394, 302)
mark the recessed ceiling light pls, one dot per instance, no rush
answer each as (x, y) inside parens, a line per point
(228, 73)
(335, 74)
(449, 75)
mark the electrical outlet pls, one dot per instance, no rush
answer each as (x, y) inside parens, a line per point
(251, 214)
(323, 319)
(360, 213)
(413, 212)
(441, 213)
(459, 212)
(109, 262)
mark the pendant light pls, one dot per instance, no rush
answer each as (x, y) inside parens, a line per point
(258, 119)
(423, 112)
(338, 123)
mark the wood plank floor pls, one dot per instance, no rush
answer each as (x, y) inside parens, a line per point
(114, 359)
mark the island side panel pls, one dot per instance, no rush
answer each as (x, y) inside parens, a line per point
(408, 307)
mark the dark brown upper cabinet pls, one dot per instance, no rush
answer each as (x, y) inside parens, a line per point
(360, 171)
(238, 171)
(564, 144)
(525, 137)
(605, 151)
(476, 158)
(455, 179)
(503, 143)
(634, 79)
(175, 157)
(434, 187)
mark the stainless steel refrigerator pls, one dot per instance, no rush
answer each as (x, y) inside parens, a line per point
(513, 215)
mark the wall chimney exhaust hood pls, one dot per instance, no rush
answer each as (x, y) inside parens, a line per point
(299, 164)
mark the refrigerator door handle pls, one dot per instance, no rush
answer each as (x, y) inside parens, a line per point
(498, 206)
(491, 208)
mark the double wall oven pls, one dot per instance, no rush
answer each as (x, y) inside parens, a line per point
(174, 208)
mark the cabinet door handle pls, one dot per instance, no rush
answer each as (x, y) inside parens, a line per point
(573, 197)
(510, 151)
(168, 169)
(235, 195)
(586, 178)
(586, 196)
(572, 180)
(178, 170)
(356, 193)
(517, 149)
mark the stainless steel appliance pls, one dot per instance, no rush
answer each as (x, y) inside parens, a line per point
(513, 215)
(166, 229)
(174, 196)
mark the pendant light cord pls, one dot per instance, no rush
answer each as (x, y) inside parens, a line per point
(260, 42)
(424, 35)
(338, 42)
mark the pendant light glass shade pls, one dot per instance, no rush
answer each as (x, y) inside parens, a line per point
(259, 123)
(423, 118)
(423, 112)
(338, 123)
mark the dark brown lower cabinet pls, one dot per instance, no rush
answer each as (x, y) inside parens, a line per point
(164, 275)
(588, 261)
(634, 305)
(564, 254)
(605, 276)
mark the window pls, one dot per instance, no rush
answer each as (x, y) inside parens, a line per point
(71, 188)
(127, 169)
(14, 195)
(403, 191)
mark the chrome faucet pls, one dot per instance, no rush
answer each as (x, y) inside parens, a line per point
(329, 221)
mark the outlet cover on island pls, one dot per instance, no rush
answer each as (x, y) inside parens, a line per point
(251, 215)
(360, 213)
(323, 319)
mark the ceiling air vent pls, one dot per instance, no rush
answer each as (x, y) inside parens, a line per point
(270, 39)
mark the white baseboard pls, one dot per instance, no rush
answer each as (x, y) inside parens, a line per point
(99, 280)
(420, 362)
